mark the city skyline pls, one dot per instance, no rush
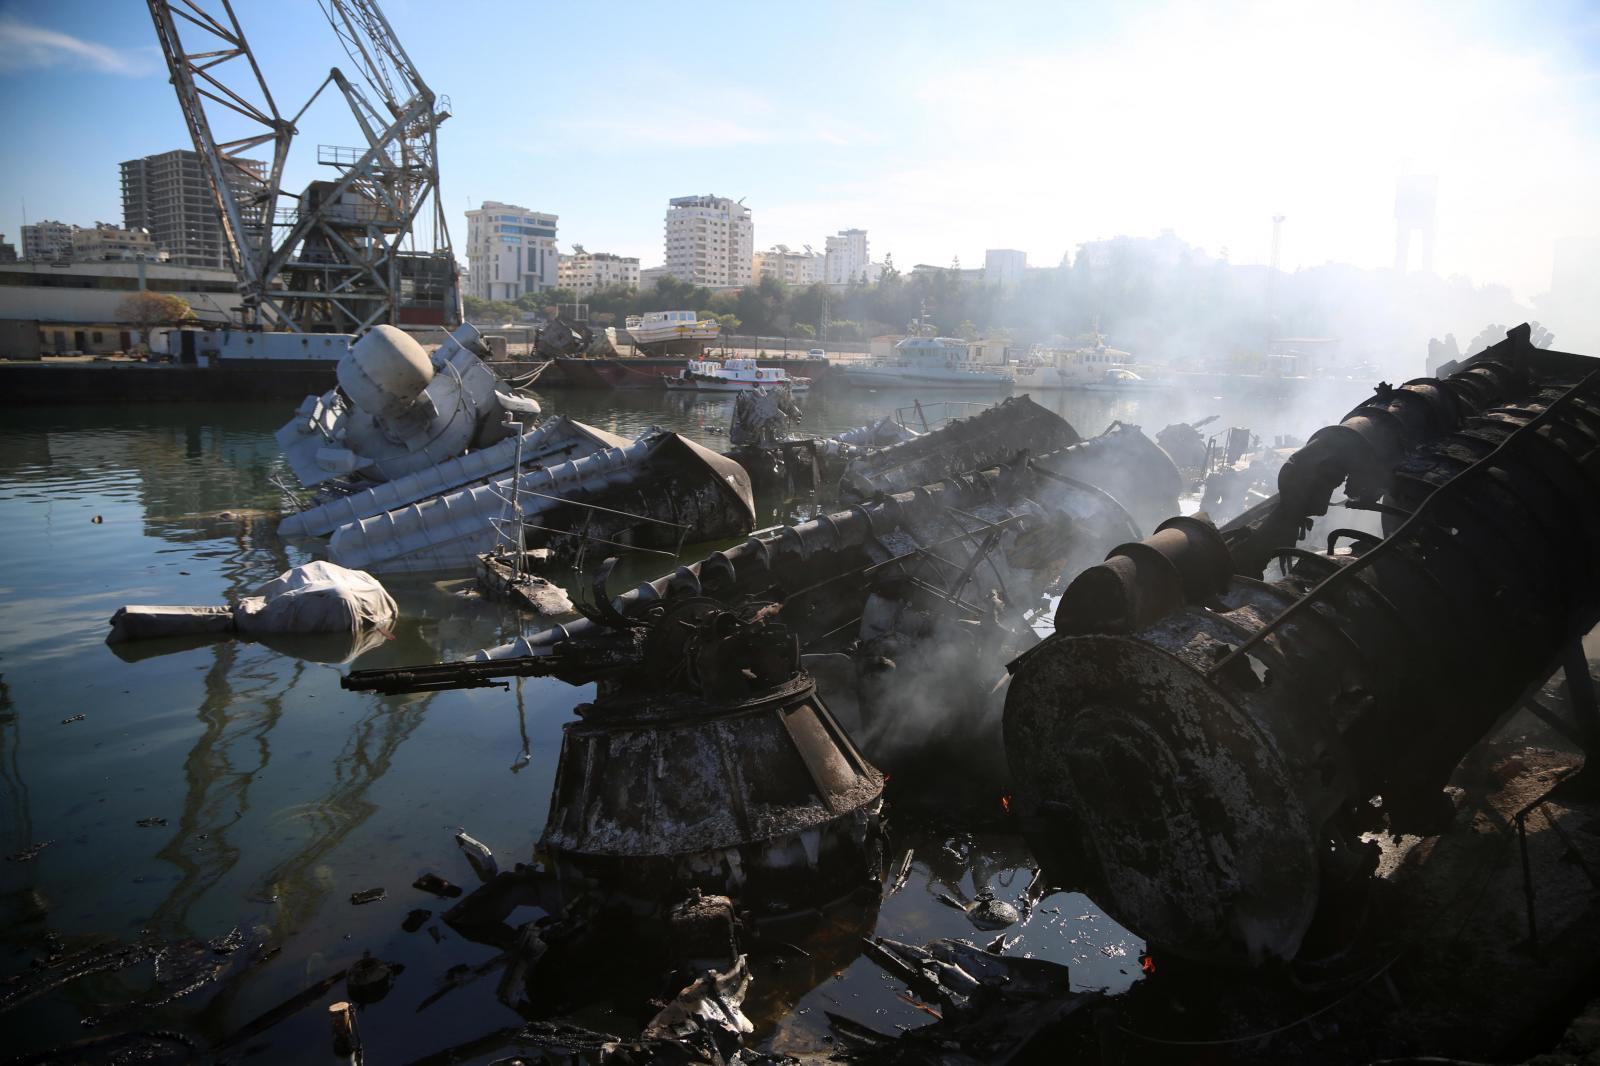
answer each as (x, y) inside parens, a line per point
(1034, 130)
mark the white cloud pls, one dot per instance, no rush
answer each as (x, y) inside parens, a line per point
(25, 46)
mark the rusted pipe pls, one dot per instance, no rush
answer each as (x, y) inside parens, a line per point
(1361, 451)
(1202, 777)
(1184, 561)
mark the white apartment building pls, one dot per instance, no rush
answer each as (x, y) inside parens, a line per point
(710, 241)
(511, 251)
(1004, 267)
(47, 240)
(791, 268)
(585, 272)
(649, 276)
(846, 258)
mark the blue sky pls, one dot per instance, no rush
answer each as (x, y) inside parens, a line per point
(941, 128)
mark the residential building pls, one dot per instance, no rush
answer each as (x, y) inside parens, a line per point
(791, 268)
(47, 241)
(512, 251)
(106, 242)
(650, 276)
(846, 258)
(169, 195)
(584, 272)
(710, 241)
(1004, 267)
(8, 251)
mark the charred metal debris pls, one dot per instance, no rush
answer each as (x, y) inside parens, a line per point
(1205, 743)
(908, 604)
(1201, 750)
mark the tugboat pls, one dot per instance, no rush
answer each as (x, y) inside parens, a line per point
(732, 375)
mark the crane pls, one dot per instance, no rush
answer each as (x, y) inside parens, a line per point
(343, 254)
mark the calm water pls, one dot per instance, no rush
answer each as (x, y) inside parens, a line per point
(283, 794)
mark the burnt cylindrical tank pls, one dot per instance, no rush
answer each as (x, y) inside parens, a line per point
(718, 769)
(1201, 776)
(1128, 465)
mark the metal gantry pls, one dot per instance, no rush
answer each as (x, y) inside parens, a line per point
(343, 254)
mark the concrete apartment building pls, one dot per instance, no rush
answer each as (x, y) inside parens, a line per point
(47, 241)
(846, 259)
(710, 241)
(791, 268)
(170, 196)
(8, 251)
(107, 243)
(585, 272)
(1004, 267)
(511, 251)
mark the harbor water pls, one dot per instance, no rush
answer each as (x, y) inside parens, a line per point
(185, 792)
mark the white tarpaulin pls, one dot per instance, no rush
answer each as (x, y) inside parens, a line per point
(315, 598)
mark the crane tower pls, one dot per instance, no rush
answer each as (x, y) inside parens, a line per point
(368, 244)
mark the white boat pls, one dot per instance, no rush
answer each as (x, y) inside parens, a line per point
(732, 375)
(931, 362)
(672, 332)
(1096, 369)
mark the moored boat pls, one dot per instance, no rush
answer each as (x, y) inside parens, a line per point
(671, 332)
(929, 362)
(732, 375)
(1097, 368)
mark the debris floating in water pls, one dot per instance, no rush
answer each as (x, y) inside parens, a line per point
(432, 882)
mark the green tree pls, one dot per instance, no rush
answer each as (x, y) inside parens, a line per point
(552, 298)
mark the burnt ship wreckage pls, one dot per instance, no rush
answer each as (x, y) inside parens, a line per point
(1212, 741)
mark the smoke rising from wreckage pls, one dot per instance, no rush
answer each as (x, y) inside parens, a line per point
(900, 601)
(1005, 624)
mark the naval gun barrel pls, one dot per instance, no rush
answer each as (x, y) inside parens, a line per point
(576, 662)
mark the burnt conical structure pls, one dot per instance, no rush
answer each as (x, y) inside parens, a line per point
(712, 764)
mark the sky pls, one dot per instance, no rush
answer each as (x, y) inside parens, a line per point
(943, 129)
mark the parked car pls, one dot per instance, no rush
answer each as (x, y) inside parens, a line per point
(816, 353)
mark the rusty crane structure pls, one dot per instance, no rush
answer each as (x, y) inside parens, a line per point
(368, 245)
